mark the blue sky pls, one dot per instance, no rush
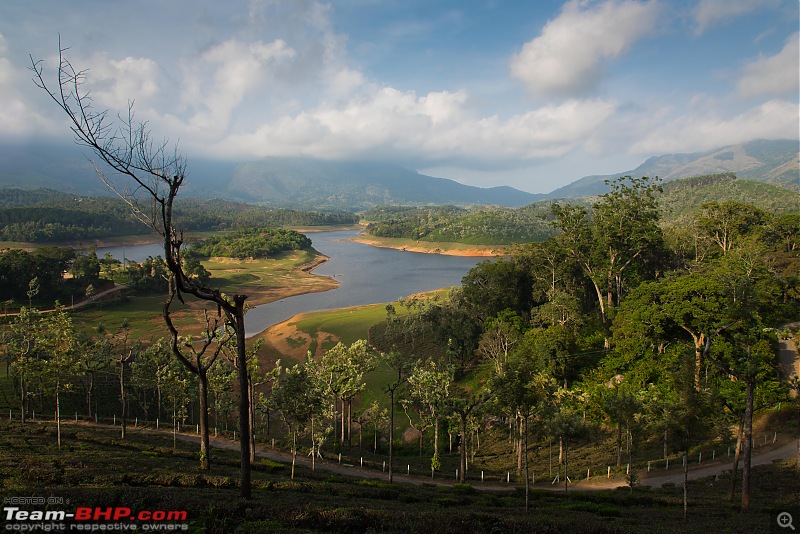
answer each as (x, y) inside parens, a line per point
(486, 92)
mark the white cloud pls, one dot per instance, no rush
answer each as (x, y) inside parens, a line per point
(217, 81)
(18, 118)
(569, 55)
(114, 82)
(774, 75)
(712, 12)
(438, 126)
(774, 119)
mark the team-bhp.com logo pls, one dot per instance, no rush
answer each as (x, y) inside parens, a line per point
(85, 518)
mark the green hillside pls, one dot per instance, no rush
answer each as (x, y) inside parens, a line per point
(686, 196)
(49, 216)
(492, 225)
(448, 224)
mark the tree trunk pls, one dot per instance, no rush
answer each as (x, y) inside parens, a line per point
(244, 405)
(519, 440)
(436, 436)
(685, 487)
(58, 413)
(294, 450)
(313, 448)
(202, 386)
(566, 463)
(335, 420)
(747, 446)
(391, 432)
(527, 475)
(350, 422)
(252, 409)
(22, 397)
(463, 449)
(122, 395)
(619, 443)
(736, 456)
(344, 429)
(89, 392)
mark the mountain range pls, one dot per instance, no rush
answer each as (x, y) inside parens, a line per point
(358, 185)
(775, 162)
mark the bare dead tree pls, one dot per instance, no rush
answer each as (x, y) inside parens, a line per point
(147, 176)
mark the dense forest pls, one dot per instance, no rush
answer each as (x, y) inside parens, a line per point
(475, 226)
(678, 200)
(45, 216)
(252, 243)
(617, 328)
(48, 274)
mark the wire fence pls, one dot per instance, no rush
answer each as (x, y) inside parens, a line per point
(375, 462)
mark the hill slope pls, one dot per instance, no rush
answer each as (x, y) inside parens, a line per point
(683, 197)
(774, 162)
(357, 185)
(279, 182)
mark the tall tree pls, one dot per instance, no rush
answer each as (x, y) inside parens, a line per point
(526, 388)
(429, 385)
(298, 400)
(620, 232)
(57, 356)
(401, 365)
(752, 361)
(461, 403)
(726, 223)
(148, 176)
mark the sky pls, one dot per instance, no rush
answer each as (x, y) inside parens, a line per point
(531, 94)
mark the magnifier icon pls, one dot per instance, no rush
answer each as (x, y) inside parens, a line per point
(785, 520)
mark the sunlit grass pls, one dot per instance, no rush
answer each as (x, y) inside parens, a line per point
(433, 247)
(263, 280)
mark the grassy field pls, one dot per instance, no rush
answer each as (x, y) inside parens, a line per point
(319, 331)
(144, 472)
(263, 280)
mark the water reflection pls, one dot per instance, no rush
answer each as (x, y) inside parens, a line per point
(367, 275)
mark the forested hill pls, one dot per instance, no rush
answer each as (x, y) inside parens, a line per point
(450, 224)
(679, 201)
(44, 215)
(357, 186)
(683, 197)
(286, 182)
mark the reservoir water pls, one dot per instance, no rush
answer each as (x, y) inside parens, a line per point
(367, 275)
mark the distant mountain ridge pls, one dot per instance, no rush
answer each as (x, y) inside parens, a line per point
(280, 181)
(775, 162)
(358, 185)
(307, 183)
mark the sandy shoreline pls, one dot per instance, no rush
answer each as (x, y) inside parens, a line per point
(487, 251)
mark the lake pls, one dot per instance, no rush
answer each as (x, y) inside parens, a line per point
(367, 275)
